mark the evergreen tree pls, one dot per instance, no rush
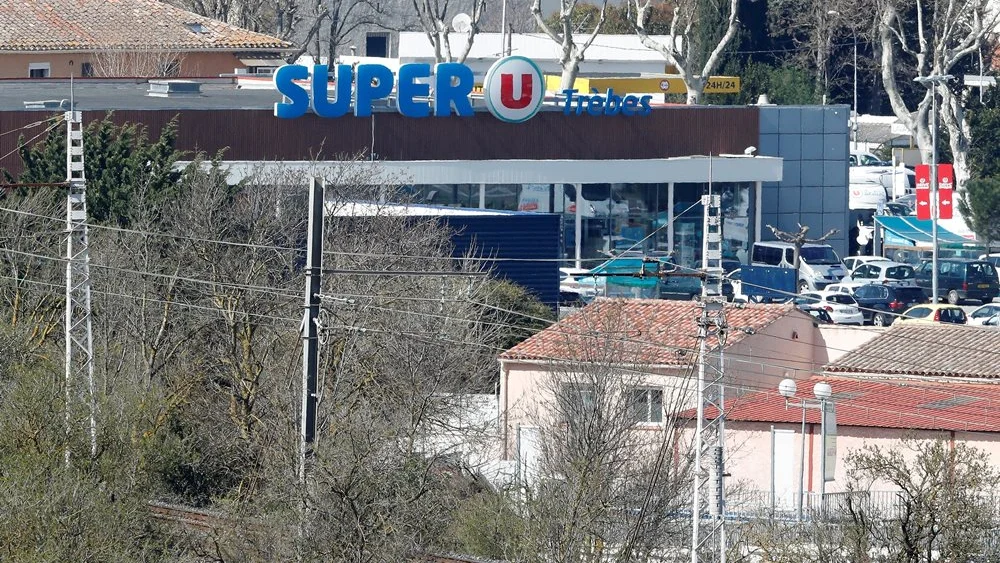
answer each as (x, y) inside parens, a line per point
(119, 161)
(979, 203)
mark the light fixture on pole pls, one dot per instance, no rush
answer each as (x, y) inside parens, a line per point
(933, 80)
(822, 391)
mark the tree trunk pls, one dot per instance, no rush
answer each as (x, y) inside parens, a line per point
(570, 69)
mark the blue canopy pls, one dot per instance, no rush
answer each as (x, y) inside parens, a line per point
(916, 230)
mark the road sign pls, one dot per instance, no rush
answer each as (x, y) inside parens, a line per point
(923, 177)
(946, 193)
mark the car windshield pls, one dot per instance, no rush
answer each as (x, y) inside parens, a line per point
(820, 255)
(899, 272)
(843, 299)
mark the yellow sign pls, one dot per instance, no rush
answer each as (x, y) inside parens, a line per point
(714, 85)
(646, 84)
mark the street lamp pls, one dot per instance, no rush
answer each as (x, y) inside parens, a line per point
(934, 80)
(822, 391)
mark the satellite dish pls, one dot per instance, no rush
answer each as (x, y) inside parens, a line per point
(461, 23)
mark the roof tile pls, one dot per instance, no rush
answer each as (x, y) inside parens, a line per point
(637, 331)
(906, 404)
(946, 350)
(95, 25)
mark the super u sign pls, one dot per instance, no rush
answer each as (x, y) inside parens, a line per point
(514, 91)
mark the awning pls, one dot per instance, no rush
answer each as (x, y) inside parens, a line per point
(274, 61)
(917, 230)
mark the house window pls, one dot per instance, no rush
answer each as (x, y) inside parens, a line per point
(647, 405)
(86, 69)
(577, 401)
(39, 70)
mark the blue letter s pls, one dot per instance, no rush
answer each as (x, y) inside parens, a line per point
(298, 98)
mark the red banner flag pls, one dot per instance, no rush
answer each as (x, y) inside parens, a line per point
(946, 193)
(923, 178)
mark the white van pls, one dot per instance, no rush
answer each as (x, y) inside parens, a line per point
(819, 265)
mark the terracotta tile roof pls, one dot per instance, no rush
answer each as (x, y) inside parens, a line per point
(94, 25)
(926, 349)
(882, 403)
(637, 331)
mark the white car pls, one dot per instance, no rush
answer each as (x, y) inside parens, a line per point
(578, 281)
(845, 288)
(893, 273)
(843, 309)
(987, 315)
(852, 262)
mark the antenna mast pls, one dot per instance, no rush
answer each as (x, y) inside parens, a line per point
(79, 335)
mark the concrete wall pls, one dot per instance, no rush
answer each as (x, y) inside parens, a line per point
(813, 141)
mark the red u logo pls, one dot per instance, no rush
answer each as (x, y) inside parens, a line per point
(507, 91)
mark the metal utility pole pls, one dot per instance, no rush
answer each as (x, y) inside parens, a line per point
(709, 435)
(932, 82)
(79, 335)
(310, 330)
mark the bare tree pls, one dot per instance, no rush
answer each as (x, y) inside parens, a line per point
(942, 504)
(572, 52)
(613, 470)
(798, 240)
(694, 48)
(113, 62)
(332, 22)
(931, 44)
(31, 241)
(435, 21)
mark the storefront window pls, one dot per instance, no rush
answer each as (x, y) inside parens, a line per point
(688, 218)
(736, 216)
(503, 196)
(616, 217)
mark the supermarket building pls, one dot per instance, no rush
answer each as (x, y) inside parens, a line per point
(613, 179)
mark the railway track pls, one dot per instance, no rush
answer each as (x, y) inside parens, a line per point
(208, 521)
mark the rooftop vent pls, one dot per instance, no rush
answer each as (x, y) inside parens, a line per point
(174, 89)
(47, 104)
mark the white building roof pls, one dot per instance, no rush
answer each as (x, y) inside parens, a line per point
(415, 47)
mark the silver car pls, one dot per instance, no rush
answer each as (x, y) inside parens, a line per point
(893, 273)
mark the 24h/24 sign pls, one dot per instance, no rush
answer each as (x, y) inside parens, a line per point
(714, 85)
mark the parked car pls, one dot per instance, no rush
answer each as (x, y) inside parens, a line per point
(959, 280)
(578, 282)
(845, 288)
(881, 303)
(852, 262)
(820, 314)
(992, 259)
(882, 272)
(987, 315)
(843, 309)
(934, 313)
(819, 265)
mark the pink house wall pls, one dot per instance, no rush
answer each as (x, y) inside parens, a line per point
(204, 64)
(789, 347)
(748, 455)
